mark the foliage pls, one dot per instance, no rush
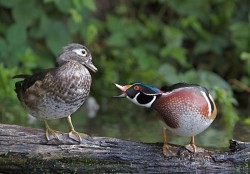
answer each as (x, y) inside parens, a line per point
(156, 42)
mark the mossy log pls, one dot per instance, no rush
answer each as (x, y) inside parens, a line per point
(26, 150)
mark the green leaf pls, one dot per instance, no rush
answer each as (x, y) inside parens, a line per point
(89, 4)
(10, 52)
(29, 61)
(14, 53)
(173, 36)
(40, 30)
(5, 76)
(92, 33)
(208, 79)
(176, 53)
(63, 6)
(76, 16)
(25, 13)
(226, 100)
(4, 52)
(169, 73)
(247, 120)
(195, 7)
(10, 3)
(74, 27)
(144, 59)
(16, 34)
(214, 43)
(3, 48)
(57, 37)
(245, 56)
(48, 1)
(117, 39)
(241, 35)
(114, 24)
(194, 23)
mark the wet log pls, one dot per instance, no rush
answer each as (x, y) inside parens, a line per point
(26, 150)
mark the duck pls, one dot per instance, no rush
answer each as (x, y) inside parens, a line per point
(58, 92)
(184, 109)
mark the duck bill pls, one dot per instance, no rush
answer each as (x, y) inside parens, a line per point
(122, 89)
(91, 66)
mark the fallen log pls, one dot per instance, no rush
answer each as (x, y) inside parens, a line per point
(26, 150)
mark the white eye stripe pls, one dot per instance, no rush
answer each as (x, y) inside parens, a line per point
(81, 52)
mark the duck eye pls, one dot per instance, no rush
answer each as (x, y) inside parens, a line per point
(84, 52)
(81, 52)
(136, 88)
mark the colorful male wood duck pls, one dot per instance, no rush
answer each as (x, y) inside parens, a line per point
(185, 109)
(58, 92)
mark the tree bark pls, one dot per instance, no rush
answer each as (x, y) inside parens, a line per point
(26, 150)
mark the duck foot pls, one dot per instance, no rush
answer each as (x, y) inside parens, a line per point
(194, 149)
(52, 134)
(77, 136)
(166, 150)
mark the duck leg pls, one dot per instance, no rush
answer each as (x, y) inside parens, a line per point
(77, 136)
(50, 133)
(166, 147)
(192, 147)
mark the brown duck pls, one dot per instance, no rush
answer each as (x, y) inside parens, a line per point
(58, 92)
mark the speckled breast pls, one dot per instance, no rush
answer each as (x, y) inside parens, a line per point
(185, 111)
(60, 93)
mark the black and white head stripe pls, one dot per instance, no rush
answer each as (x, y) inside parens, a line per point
(142, 99)
(142, 95)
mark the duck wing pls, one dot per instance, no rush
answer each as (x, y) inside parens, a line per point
(28, 80)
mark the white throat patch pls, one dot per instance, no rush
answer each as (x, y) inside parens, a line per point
(147, 105)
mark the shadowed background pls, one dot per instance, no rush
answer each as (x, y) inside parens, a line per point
(153, 41)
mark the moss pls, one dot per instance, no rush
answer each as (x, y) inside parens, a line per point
(16, 162)
(15, 159)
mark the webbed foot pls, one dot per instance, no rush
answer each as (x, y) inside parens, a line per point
(193, 148)
(166, 150)
(77, 136)
(52, 134)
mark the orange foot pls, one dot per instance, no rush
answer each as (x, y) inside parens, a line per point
(166, 150)
(193, 148)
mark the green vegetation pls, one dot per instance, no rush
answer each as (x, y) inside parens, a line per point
(153, 41)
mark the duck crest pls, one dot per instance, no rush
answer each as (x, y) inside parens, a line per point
(147, 89)
(139, 93)
(185, 109)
